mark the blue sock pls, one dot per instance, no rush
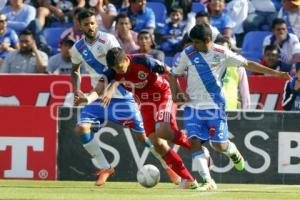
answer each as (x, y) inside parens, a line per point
(86, 137)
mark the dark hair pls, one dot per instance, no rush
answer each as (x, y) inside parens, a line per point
(26, 32)
(201, 32)
(176, 9)
(222, 40)
(270, 48)
(202, 14)
(121, 15)
(76, 11)
(277, 21)
(185, 40)
(115, 56)
(85, 13)
(67, 40)
(144, 31)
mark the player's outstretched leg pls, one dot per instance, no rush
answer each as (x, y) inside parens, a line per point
(172, 175)
(171, 159)
(92, 146)
(233, 153)
(202, 163)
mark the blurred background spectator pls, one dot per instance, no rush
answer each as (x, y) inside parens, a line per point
(141, 17)
(202, 18)
(172, 33)
(291, 95)
(106, 13)
(238, 12)
(290, 12)
(27, 59)
(126, 37)
(9, 40)
(261, 14)
(147, 45)
(270, 59)
(219, 18)
(57, 11)
(19, 15)
(287, 44)
(73, 32)
(61, 62)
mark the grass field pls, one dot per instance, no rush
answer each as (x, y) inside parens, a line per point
(46, 190)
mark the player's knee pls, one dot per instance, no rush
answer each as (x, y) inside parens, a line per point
(220, 147)
(83, 128)
(160, 146)
(162, 131)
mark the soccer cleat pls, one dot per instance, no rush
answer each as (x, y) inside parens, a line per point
(188, 184)
(238, 160)
(207, 185)
(103, 176)
(173, 176)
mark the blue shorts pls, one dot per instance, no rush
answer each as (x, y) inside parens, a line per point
(121, 111)
(206, 125)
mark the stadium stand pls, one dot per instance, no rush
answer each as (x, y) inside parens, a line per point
(52, 36)
(198, 7)
(252, 47)
(159, 10)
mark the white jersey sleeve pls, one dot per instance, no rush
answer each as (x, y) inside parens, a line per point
(181, 65)
(75, 56)
(233, 59)
(112, 41)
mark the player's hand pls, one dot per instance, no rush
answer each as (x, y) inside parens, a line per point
(284, 75)
(106, 97)
(80, 98)
(181, 98)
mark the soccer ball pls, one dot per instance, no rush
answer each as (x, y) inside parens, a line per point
(148, 176)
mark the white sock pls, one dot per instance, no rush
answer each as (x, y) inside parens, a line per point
(99, 160)
(200, 163)
(230, 149)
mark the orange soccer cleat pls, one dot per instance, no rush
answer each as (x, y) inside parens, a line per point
(103, 175)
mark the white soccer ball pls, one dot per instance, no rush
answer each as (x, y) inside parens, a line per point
(148, 176)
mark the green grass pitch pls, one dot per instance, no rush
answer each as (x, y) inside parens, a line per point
(71, 190)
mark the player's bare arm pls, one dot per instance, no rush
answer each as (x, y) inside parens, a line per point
(178, 95)
(107, 95)
(256, 67)
(76, 77)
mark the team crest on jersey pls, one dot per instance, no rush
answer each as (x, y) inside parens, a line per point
(100, 52)
(142, 75)
(216, 58)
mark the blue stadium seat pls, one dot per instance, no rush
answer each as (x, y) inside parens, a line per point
(198, 7)
(52, 36)
(252, 48)
(169, 60)
(159, 10)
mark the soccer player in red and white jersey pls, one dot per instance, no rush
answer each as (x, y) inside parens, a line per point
(141, 74)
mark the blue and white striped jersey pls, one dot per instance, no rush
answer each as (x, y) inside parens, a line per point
(205, 73)
(93, 56)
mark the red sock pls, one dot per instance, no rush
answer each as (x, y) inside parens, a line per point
(175, 162)
(181, 139)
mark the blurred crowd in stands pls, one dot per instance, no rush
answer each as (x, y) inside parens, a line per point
(36, 35)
